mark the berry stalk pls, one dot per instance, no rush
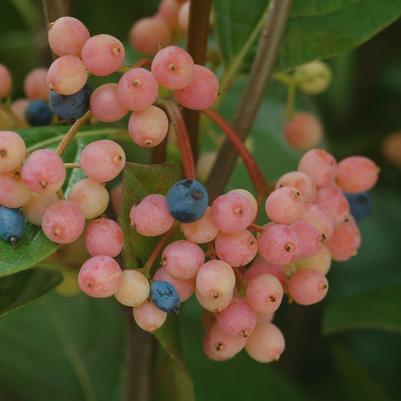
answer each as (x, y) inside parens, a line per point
(69, 136)
(256, 175)
(183, 139)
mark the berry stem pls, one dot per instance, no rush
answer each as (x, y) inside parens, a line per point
(198, 33)
(252, 97)
(290, 107)
(157, 251)
(72, 165)
(183, 139)
(55, 9)
(254, 172)
(69, 136)
(142, 62)
(256, 227)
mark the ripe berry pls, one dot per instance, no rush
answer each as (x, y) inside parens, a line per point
(12, 224)
(187, 201)
(149, 317)
(71, 107)
(319, 218)
(310, 236)
(151, 216)
(173, 68)
(185, 288)
(6, 81)
(35, 84)
(12, 151)
(133, 288)
(212, 304)
(14, 193)
(165, 296)
(43, 170)
(67, 36)
(302, 182)
(303, 131)
(201, 231)
(360, 205)
(260, 266)
(307, 286)
(37, 205)
(38, 113)
(333, 201)
(99, 276)
(202, 92)
(103, 55)
(168, 11)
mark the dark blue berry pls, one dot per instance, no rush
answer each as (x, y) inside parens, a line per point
(165, 296)
(187, 200)
(71, 107)
(360, 205)
(38, 113)
(12, 224)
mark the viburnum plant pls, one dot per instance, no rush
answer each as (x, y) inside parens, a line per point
(239, 253)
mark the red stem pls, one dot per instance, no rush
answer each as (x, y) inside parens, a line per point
(254, 172)
(183, 140)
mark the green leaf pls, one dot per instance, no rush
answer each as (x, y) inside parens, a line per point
(34, 246)
(63, 349)
(376, 309)
(355, 381)
(20, 288)
(139, 181)
(316, 29)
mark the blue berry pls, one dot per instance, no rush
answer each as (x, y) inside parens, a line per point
(360, 205)
(12, 224)
(38, 113)
(187, 200)
(71, 107)
(165, 296)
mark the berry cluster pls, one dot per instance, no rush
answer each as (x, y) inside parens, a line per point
(149, 34)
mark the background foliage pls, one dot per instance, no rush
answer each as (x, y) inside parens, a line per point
(348, 347)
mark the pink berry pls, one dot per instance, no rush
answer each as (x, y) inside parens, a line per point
(201, 231)
(149, 127)
(67, 75)
(133, 288)
(357, 174)
(307, 287)
(104, 236)
(137, 89)
(264, 293)
(259, 266)
(103, 55)
(149, 34)
(99, 276)
(345, 241)
(214, 304)
(223, 346)
(215, 279)
(67, 35)
(319, 165)
(35, 84)
(6, 81)
(12, 151)
(285, 205)
(333, 201)
(233, 212)
(173, 68)
(183, 17)
(279, 244)
(44, 170)
(319, 218)
(91, 197)
(303, 131)
(237, 320)
(13, 191)
(104, 104)
(310, 236)
(19, 107)
(102, 160)
(185, 288)
(149, 317)
(202, 92)
(320, 261)
(151, 216)
(63, 222)
(266, 343)
(35, 208)
(302, 182)
(168, 11)
(183, 259)
(237, 249)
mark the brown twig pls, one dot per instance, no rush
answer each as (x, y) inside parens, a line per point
(254, 172)
(55, 9)
(255, 227)
(198, 31)
(69, 136)
(252, 97)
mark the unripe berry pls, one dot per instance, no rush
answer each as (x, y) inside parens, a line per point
(149, 317)
(320, 262)
(302, 182)
(314, 77)
(14, 193)
(12, 151)
(319, 218)
(201, 231)
(35, 208)
(133, 288)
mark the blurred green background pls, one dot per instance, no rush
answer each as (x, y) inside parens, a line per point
(346, 348)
